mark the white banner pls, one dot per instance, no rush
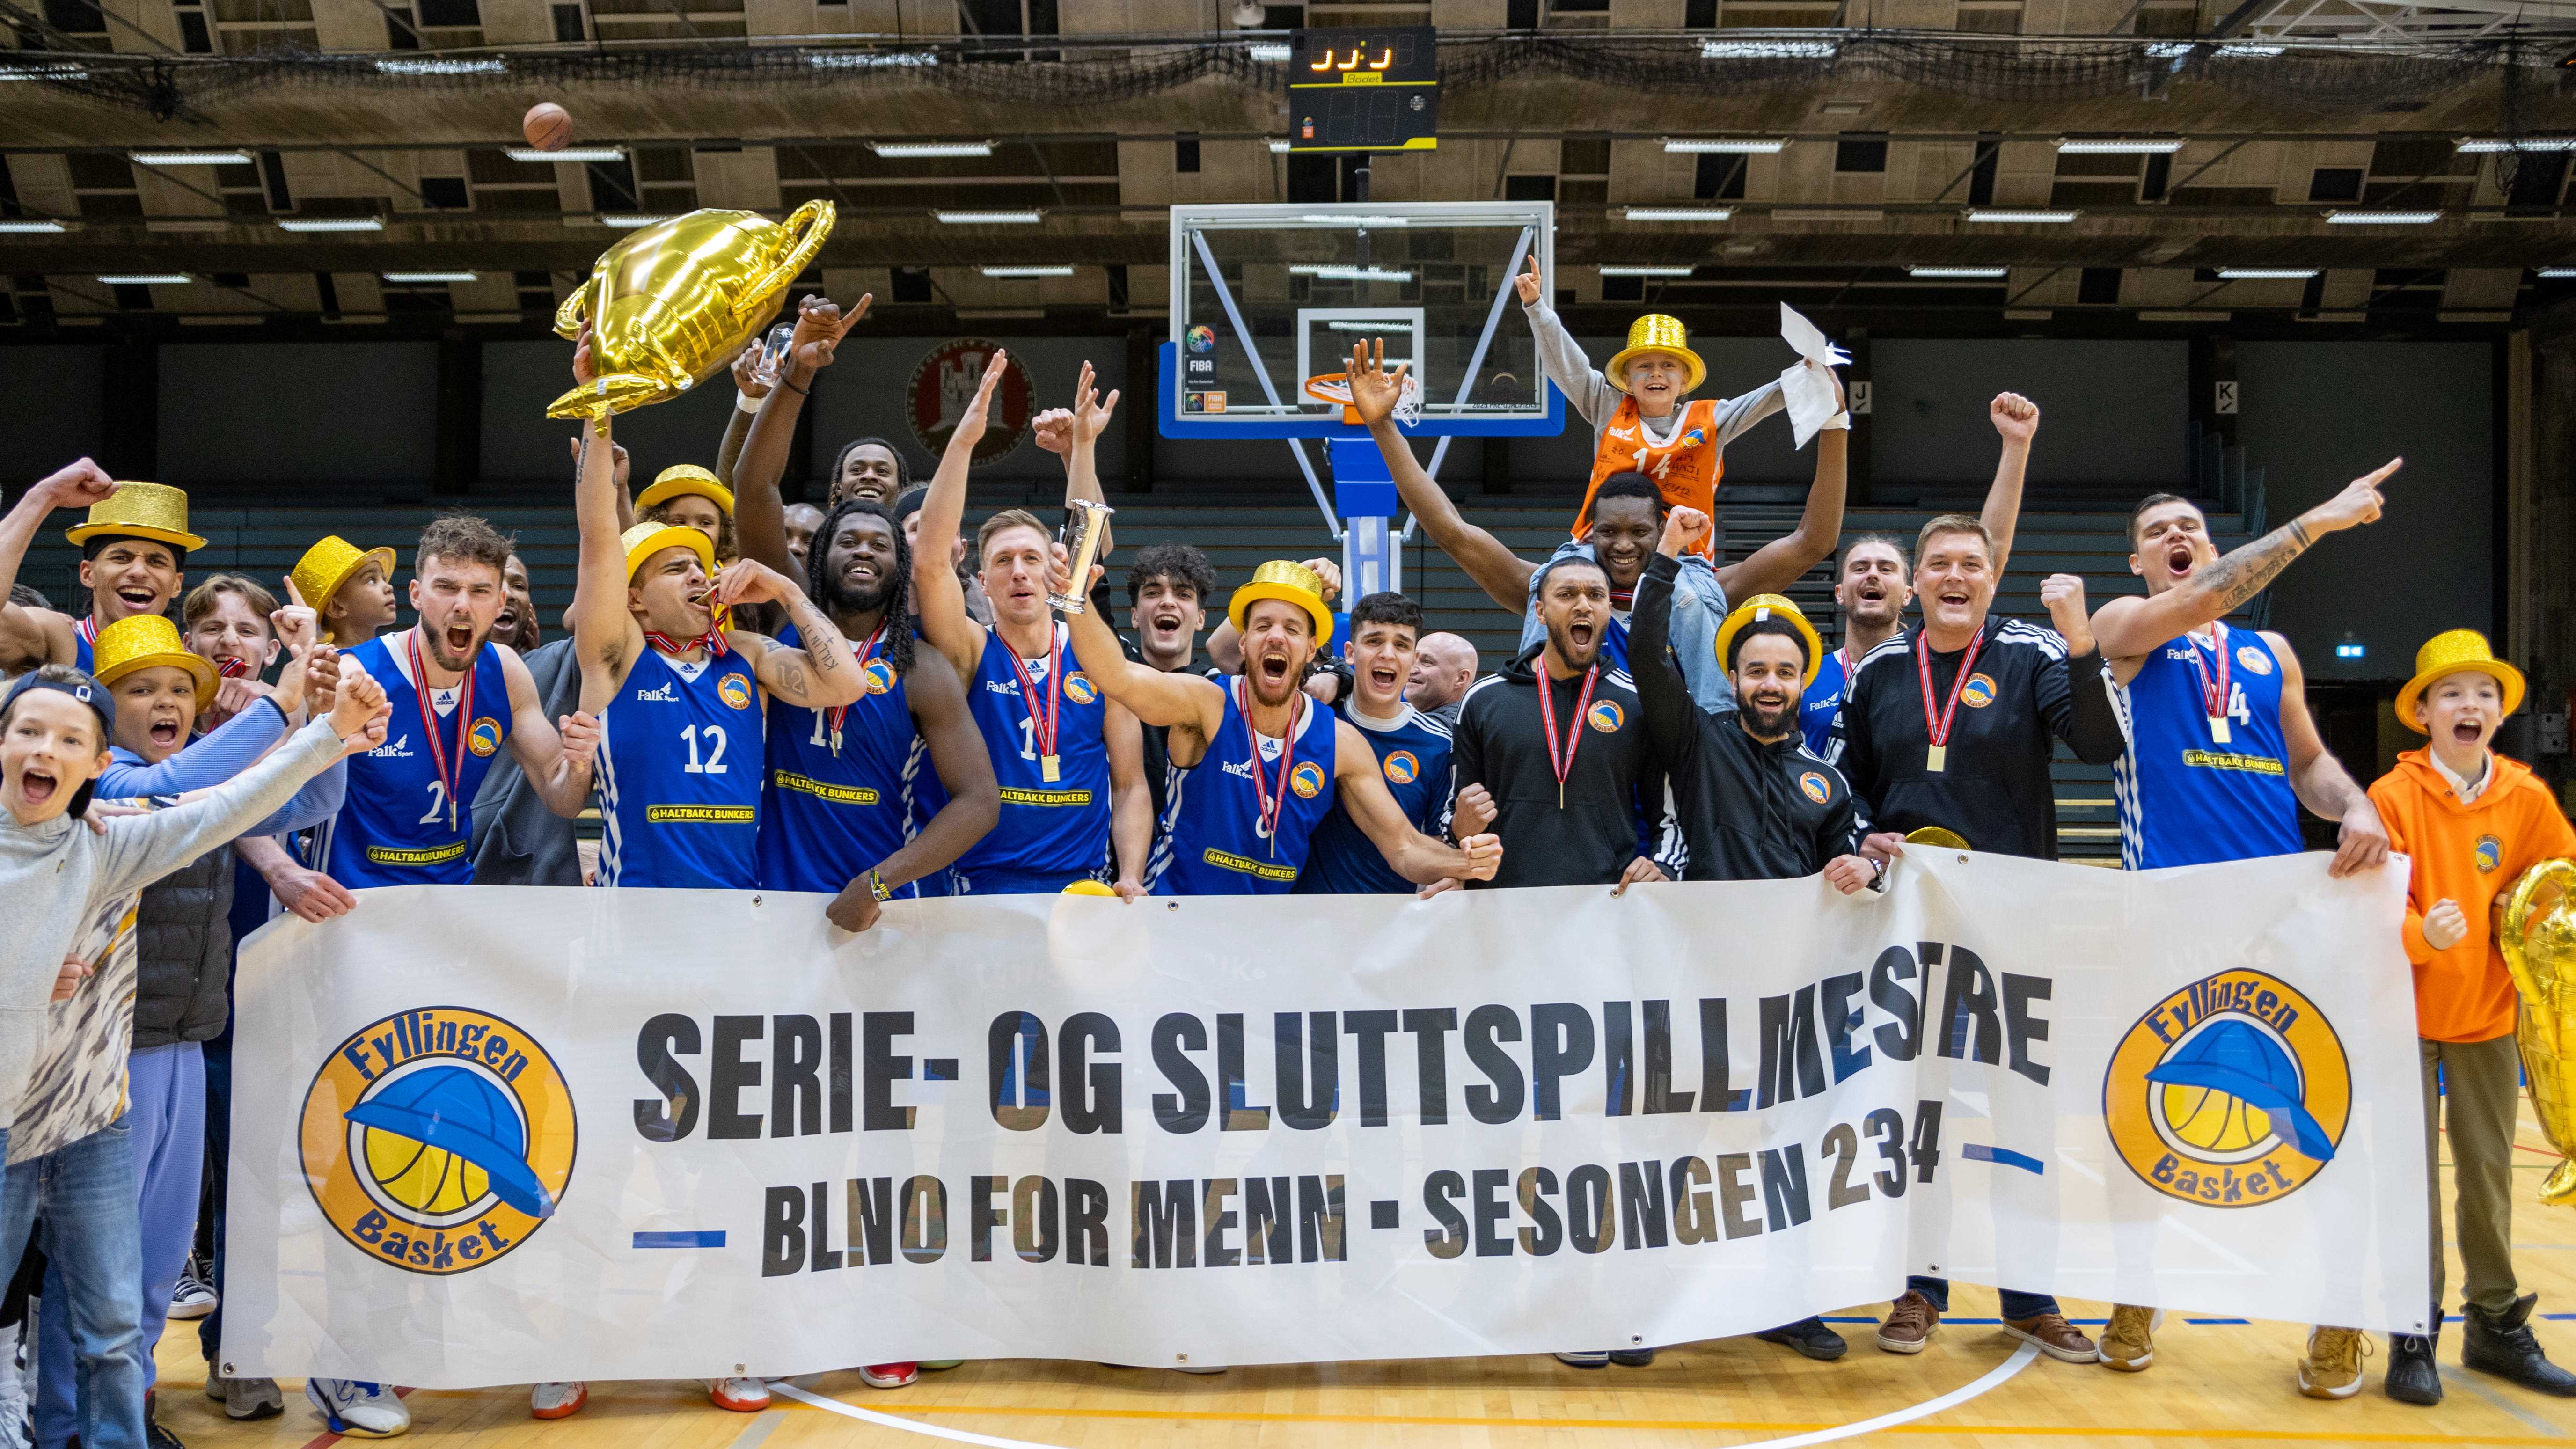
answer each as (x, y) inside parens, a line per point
(489, 1135)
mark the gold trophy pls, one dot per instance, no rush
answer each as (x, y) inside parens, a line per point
(1083, 532)
(675, 303)
(2539, 944)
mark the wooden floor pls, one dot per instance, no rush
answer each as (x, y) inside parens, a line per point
(2213, 1383)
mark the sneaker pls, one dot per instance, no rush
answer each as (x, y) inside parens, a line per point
(2413, 1377)
(2332, 1368)
(2053, 1336)
(932, 1365)
(1632, 1357)
(154, 1436)
(889, 1375)
(2501, 1344)
(357, 1408)
(246, 1398)
(2129, 1344)
(742, 1395)
(1597, 1358)
(1809, 1337)
(557, 1401)
(193, 1297)
(1910, 1323)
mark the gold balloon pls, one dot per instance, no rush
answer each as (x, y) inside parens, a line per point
(1938, 838)
(674, 303)
(2539, 944)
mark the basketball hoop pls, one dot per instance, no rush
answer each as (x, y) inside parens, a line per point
(1335, 387)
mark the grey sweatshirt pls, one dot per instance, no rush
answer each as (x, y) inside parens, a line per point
(53, 876)
(1561, 357)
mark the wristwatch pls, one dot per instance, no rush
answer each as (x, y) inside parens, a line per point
(877, 886)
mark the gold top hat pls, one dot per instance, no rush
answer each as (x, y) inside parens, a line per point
(1656, 332)
(1292, 583)
(144, 641)
(647, 539)
(155, 511)
(330, 564)
(682, 478)
(1764, 606)
(2449, 652)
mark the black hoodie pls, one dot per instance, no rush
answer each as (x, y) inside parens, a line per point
(1501, 745)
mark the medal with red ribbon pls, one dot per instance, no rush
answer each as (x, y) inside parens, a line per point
(1563, 764)
(863, 651)
(1936, 758)
(89, 633)
(1042, 723)
(448, 762)
(2213, 691)
(711, 641)
(230, 668)
(1269, 800)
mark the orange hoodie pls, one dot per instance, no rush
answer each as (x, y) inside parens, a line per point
(2469, 854)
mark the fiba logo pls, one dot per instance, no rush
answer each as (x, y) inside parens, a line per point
(2231, 1092)
(485, 737)
(1200, 339)
(1402, 768)
(437, 1139)
(1079, 688)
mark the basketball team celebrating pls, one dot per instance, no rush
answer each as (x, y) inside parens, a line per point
(862, 702)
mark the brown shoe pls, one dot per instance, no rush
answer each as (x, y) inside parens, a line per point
(1910, 1323)
(2129, 1344)
(2054, 1336)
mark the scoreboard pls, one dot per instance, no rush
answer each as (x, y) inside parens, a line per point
(1373, 89)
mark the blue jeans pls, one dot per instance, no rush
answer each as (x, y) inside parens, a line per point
(84, 1194)
(2017, 1304)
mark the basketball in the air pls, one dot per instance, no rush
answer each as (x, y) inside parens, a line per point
(547, 126)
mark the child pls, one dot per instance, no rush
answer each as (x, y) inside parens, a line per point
(349, 589)
(2472, 821)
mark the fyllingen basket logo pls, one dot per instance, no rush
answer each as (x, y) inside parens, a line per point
(438, 1139)
(2231, 1092)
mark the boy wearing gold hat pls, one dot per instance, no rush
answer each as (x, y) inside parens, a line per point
(2470, 821)
(134, 553)
(349, 589)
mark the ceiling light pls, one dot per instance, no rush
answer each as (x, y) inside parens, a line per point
(1026, 271)
(1280, 148)
(629, 220)
(868, 59)
(1725, 146)
(1995, 214)
(1268, 50)
(192, 158)
(568, 153)
(1349, 274)
(1645, 271)
(989, 218)
(2169, 49)
(1677, 213)
(2266, 274)
(2383, 218)
(2558, 274)
(60, 70)
(1766, 49)
(913, 149)
(1983, 273)
(331, 223)
(2248, 52)
(2122, 146)
(431, 276)
(148, 279)
(409, 66)
(1314, 218)
(2484, 146)
(1372, 325)
(26, 224)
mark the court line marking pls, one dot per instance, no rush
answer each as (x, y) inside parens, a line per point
(2021, 1359)
(759, 1429)
(2461, 1379)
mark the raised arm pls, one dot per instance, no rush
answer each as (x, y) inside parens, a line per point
(2016, 420)
(940, 713)
(1662, 697)
(944, 620)
(757, 512)
(748, 388)
(1089, 419)
(2073, 696)
(29, 637)
(606, 638)
(2129, 627)
(557, 762)
(1784, 560)
(1503, 575)
(1409, 853)
(224, 752)
(2319, 779)
(819, 672)
(1559, 355)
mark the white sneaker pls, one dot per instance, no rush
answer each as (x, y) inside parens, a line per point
(358, 1409)
(742, 1395)
(557, 1401)
(192, 1296)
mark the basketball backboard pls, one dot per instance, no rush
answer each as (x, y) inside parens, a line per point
(1267, 298)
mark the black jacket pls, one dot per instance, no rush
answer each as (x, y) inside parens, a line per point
(183, 953)
(1994, 787)
(1501, 745)
(518, 838)
(1748, 810)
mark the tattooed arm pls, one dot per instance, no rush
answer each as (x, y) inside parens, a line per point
(819, 674)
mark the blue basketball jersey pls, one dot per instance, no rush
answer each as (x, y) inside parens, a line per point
(394, 827)
(2187, 797)
(1820, 713)
(84, 656)
(1213, 843)
(1413, 757)
(828, 815)
(679, 776)
(1052, 831)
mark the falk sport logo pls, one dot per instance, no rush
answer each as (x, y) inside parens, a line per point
(878, 677)
(485, 737)
(2231, 1092)
(1813, 786)
(1606, 716)
(734, 690)
(1978, 692)
(2490, 854)
(1079, 688)
(2254, 660)
(438, 1139)
(1307, 779)
(1402, 768)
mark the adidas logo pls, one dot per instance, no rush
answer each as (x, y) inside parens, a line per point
(667, 694)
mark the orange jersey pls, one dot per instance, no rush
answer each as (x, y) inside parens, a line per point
(1686, 470)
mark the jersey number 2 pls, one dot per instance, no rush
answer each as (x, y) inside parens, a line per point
(437, 803)
(715, 764)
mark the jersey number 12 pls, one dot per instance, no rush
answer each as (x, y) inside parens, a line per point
(715, 764)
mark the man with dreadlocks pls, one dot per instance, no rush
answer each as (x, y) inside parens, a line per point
(841, 781)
